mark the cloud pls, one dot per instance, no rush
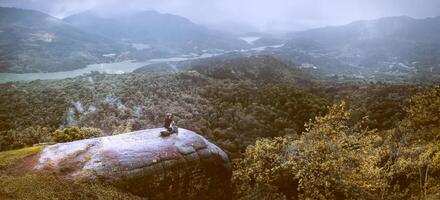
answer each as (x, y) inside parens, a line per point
(262, 15)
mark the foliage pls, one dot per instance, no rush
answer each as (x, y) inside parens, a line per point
(416, 167)
(230, 113)
(338, 159)
(383, 104)
(331, 160)
(381, 145)
(13, 139)
(261, 68)
(262, 170)
(254, 111)
(75, 133)
(423, 116)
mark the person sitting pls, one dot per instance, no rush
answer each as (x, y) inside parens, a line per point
(170, 125)
(174, 128)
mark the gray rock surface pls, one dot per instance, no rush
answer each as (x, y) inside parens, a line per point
(182, 166)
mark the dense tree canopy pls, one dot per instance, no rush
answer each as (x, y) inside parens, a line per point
(336, 159)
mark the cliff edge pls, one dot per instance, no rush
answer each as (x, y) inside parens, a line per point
(180, 166)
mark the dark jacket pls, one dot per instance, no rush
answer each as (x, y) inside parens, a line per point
(167, 123)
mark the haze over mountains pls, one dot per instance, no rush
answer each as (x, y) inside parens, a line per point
(32, 41)
(155, 29)
(387, 45)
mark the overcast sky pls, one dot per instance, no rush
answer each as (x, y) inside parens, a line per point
(257, 15)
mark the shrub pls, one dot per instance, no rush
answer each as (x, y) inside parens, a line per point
(331, 160)
(13, 139)
(75, 133)
(417, 141)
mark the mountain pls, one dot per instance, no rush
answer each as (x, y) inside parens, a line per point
(31, 41)
(153, 29)
(261, 68)
(393, 45)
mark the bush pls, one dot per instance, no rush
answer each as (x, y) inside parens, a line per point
(338, 159)
(75, 133)
(331, 160)
(416, 167)
(13, 139)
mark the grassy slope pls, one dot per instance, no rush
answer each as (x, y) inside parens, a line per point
(9, 158)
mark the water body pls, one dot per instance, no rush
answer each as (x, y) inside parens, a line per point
(116, 67)
(250, 40)
(267, 47)
(109, 68)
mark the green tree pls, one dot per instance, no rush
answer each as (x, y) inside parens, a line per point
(331, 160)
(419, 148)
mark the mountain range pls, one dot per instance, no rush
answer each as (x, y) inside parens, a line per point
(393, 45)
(31, 41)
(155, 30)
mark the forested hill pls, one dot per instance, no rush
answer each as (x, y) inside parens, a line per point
(378, 139)
(31, 41)
(230, 110)
(218, 109)
(155, 29)
(261, 68)
(392, 45)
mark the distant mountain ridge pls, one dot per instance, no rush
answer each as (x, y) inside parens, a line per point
(155, 29)
(31, 41)
(386, 45)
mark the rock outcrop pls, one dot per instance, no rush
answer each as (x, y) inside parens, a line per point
(182, 166)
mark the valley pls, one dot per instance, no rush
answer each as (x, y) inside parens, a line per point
(103, 103)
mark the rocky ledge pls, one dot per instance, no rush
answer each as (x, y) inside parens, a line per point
(182, 166)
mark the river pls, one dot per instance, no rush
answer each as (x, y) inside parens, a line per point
(110, 68)
(116, 67)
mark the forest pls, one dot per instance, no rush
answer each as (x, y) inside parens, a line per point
(288, 138)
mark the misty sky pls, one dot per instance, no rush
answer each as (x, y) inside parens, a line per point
(250, 15)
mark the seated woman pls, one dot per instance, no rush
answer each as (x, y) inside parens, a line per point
(170, 125)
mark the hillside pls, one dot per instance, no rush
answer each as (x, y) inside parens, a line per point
(386, 46)
(151, 29)
(215, 108)
(269, 125)
(31, 41)
(261, 68)
(221, 100)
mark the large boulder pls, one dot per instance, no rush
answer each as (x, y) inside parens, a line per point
(180, 166)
